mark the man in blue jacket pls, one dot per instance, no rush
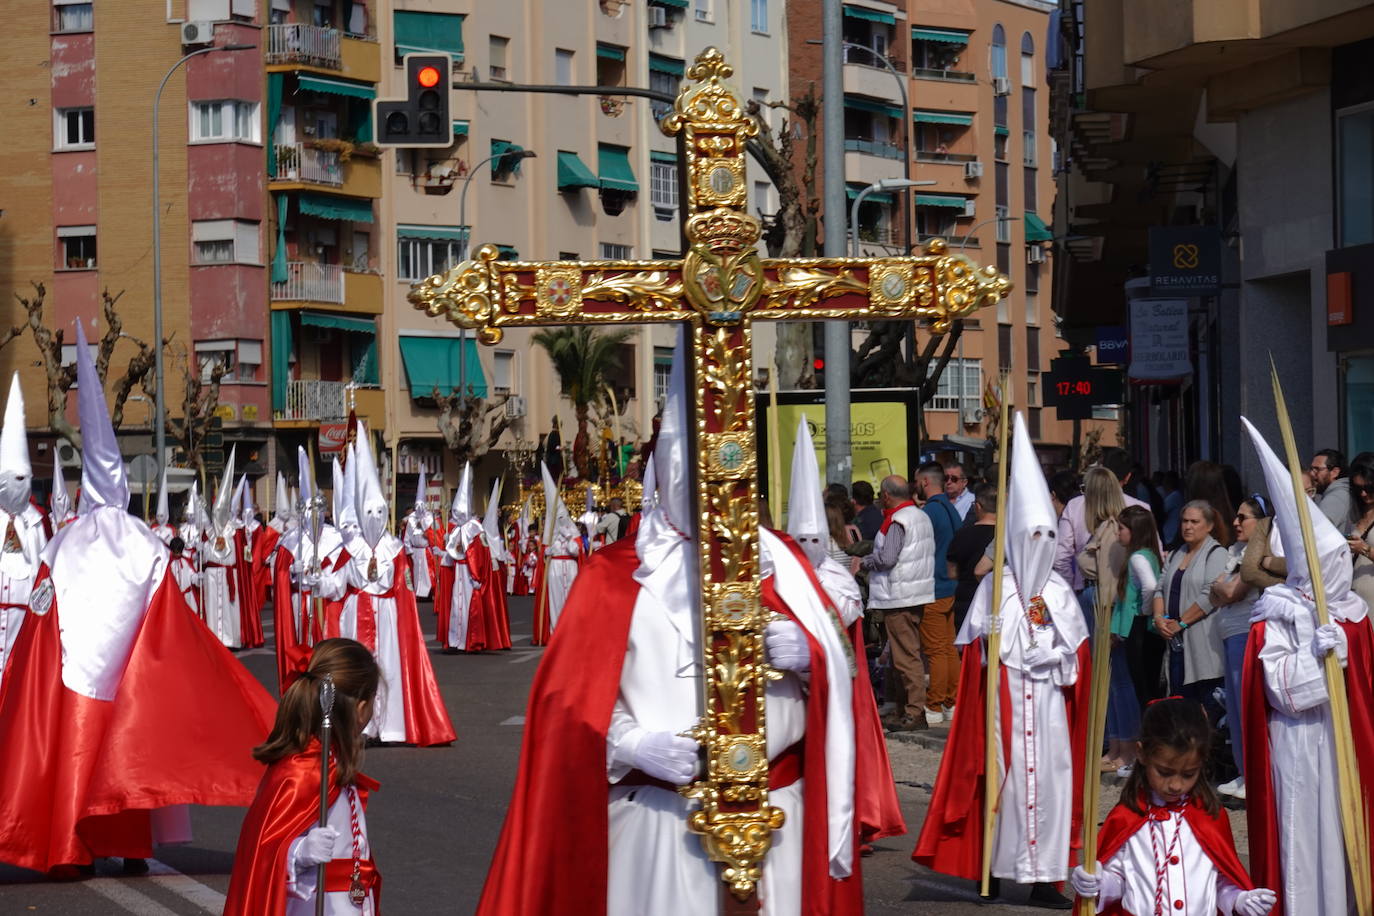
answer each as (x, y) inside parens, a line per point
(937, 624)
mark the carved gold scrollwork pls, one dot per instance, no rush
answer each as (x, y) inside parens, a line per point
(965, 287)
(644, 291)
(727, 375)
(730, 519)
(803, 287)
(465, 295)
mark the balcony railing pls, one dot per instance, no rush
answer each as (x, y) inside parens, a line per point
(307, 282)
(298, 43)
(298, 162)
(880, 235)
(925, 155)
(868, 57)
(953, 76)
(873, 147)
(310, 399)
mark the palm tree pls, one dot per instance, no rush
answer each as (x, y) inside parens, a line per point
(583, 357)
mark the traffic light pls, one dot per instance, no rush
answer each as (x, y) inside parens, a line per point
(422, 117)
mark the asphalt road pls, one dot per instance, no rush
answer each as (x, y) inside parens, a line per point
(436, 820)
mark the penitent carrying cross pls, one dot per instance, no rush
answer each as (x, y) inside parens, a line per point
(719, 289)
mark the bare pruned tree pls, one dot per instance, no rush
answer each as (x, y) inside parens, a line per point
(199, 399)
(470, 425)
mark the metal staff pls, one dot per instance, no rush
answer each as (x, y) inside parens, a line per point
(326, 726)
(1352, 800)
(993, 683)
(774, 448)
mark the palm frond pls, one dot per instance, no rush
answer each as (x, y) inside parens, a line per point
(583, 357)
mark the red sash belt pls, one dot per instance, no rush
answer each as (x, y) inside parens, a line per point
(338, 877)
(19, 607)
(228, 578)
(559, 556)
(367, 616)
(783, 770)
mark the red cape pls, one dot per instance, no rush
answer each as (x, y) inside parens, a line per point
(293, 649)
(488, 620)
(250, 607)
(951, 840)
(286, 805)
(563, 763)
(427, 719)
(1261, 816)
(543, 626)
(81, 774)
(1213, 833)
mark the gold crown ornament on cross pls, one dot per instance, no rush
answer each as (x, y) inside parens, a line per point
(719, 289)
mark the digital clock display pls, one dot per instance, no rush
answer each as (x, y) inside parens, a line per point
(1071, 388)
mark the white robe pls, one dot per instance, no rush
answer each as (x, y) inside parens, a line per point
(460, 602)
(417, 549)
(17, 571)
(1031, 841)
(388, 718)
(300, 878)
(561, 572)
(221, 610)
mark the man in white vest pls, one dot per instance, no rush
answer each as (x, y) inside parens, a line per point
(901, 583)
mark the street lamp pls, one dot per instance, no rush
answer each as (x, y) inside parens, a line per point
(467, 243)
(160, 401)
(883, 184)
(963, 243)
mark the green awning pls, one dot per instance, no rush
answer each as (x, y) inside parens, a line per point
(859, 103)
(942, 117)
(877, 197)
(418, 32)
(613, 165)
(1001, 131)
(281, 357)
(501, 148)
(940, 200)
(669, 65)
(343, 208)
(336, 87)
(436, 233)
(508, 253)
(573, 174)
(949, 36)
(460, 128)
(859, 12)
(1036, 230)
(339, 322)
(680, 4)
(432, 362)
(610, 52)
(665, 158)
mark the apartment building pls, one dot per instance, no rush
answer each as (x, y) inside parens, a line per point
(1253, 123)
(956, 93)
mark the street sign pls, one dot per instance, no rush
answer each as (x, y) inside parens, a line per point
(1159, 340)
(1113, 343)
(1185, 260)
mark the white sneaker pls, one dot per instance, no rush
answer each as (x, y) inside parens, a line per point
(1240, 791)
(1230, 788)
(934, 717)
(949, 713)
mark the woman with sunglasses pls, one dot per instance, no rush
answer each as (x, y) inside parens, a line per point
(1362, 530)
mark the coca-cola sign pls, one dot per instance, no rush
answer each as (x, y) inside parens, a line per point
(333, 437)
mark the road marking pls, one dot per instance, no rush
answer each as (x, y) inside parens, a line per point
(120, 893)
(514, 720)
(186, 887)
(527, 657)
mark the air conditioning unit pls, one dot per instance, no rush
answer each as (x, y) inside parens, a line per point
(658, 17)
(67, 455)
(516, 407)
(972, 417)
(970, 208)
(973, 170)
(1001, 85)
(1035, 255)
(197, 33)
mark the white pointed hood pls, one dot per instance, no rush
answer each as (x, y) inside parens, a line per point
(1332, 549)
(806, 520)
(59, 502)
(16, 476)
(163, 515)
(371, 503)
(554, 510)
(222, 512)
(191, 514)
(345, 494)
(421, 487)
(523, 522)
(648, 498)
(243, 498)
(305, 478)
(282, 495)
(104, 480)
(1031, 523)
(461, 510)
(670, 459)
(491, 522)
(339, 501)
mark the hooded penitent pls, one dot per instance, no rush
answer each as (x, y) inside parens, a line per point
(491, 522)
(371, 504)
(461, 510)
(1031, 522)
(284, 510)
(243, 498)
(423, 517)
(162, 516)
(345, 487)
(806, 520)
(59, 503)
(222, 513)
(16, 476)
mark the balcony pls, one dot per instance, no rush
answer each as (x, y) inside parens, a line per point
(869, 161)
(882, 148)
(298, 43)
(313, 401)
(925, 155)
(298, 162)
(307, 282)
(303, 165)
(948, 76)
(869, 78)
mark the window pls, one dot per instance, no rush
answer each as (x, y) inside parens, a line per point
(362, 251)
(998, 52)
(663, 373)
(663, 186)
(1030, 191)
(69, 354)
(1003, 346)
(1032, 304)
(1355, 178)
(249, 360)
(225, 241)
(496, 57)
(1003, 224)
(703, 10)
(240, 359)
(74, 128)
(503, 371)
(563, 67)
(960, 385)
(324, 14)
(999, 147)
(765, 113)
(420, 258)
(569, 256)
(1027, 60)
(763, 197)
(224, 119)
(76, 247)
(73, 16)
(1028, 157)
(1033, 349)
(613, 252)
(1032, 389)
(1032, 278)
(660, 80)
(758, 15)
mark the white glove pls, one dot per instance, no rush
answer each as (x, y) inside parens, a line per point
(787, 646)
(1085, 884)
(310, 580)
(1254, 903)
(1039, 657)
(317, 847)
(1330, 638)
(666, 756)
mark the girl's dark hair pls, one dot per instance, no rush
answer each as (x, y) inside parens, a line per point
(1181, 726)
(1144, 536)
(1064, 485)
(356, 676)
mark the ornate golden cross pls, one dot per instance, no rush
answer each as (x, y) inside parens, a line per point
(718, 289)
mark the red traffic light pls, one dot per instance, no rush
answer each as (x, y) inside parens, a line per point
(428, 77)
(818, 364)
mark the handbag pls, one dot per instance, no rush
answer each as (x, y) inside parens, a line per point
(1100, 559)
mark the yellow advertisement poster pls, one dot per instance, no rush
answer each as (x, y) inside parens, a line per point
(877, 435)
